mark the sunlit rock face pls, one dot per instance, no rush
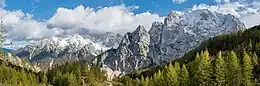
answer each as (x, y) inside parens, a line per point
(168, 40)
(131, 54)
(182, 32)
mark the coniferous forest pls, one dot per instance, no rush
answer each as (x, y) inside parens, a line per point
(225, 60)
(69, 74)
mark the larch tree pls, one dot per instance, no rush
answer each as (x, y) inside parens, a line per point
(171, 76)
(184, 76)
(219, 70)
(254, 59)
(233, 67)
(247, 69)
(194, 70)
(205, 68)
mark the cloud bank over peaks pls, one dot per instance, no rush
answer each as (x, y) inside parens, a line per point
(80, 20)
(108, 19)
(247, 10)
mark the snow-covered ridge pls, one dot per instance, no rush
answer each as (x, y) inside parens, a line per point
(72, 47)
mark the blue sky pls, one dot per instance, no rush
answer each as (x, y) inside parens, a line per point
(44, 9)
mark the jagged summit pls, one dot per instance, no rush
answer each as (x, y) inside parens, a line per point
(181, 33)
(131, 53)
(168, 40)
(164, 42)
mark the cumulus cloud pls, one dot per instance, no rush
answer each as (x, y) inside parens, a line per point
(21, 26)
(247, 10)
(108, 19)
(178, 1)
(118, 19)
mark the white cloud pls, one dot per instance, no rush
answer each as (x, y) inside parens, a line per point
(251, 20)
(247, 10)
(21, 26)
(119, 19)
(178, 1)
(108, 19)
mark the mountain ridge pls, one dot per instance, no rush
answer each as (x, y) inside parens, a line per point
(164, 42)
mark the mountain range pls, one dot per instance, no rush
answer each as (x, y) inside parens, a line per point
(142, 48)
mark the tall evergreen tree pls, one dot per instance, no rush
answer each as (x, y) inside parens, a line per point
(184, 76)
(171, 76)
(144, 81)
(177, 67)
(194, 70)
(247, 69)
(158, 79)
(233, 73)
(254, 59)
(205, 69)
(219, 70)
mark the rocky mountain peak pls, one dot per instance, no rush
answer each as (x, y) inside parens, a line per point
(172, 16)
(131, 53)
(164, 42)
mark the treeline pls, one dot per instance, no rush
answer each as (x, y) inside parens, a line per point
(224, 69)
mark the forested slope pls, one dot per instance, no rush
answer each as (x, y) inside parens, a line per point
(230, 59)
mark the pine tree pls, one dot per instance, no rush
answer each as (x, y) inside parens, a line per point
(194, 70)
(219, 70)
(158, 79)
(250, 45)
(184, 76)
(171, 76)
(254, 59)
(127, 81)
(233, 73)
(247, 69)
(205, 69)
(144, 81)
(177, 67)
(137, 82)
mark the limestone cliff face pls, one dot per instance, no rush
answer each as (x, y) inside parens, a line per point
(182, 32)
(8, 58)
(168, 40)
(131, 54)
